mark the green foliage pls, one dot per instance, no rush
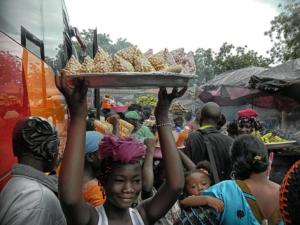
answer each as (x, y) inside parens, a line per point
(205, 64)
(285, 33)
(104, 42)
(229, 57)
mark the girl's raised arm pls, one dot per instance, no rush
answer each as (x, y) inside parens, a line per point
(155, 208)
(77, 212)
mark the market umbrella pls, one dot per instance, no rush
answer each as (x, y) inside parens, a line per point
(283, 79)
(231, 88)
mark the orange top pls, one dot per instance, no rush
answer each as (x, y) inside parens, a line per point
(93, 193)
(105, 103)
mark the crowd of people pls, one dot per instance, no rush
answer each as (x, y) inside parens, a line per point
(165, 171)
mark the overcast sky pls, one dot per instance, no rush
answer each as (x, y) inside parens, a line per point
(172, 24)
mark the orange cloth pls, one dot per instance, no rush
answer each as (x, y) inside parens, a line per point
(106, 103)
(181, 137)
(93, 193)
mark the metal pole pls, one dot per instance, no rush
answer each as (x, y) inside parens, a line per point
(97, 90)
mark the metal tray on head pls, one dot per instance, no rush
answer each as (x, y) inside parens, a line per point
(280, 145)
(134, 79)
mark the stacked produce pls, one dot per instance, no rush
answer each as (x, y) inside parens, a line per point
(178, 109)
(131, 59)
(147, 100)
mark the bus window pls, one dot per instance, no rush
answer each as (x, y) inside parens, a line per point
(47, 21)
(53, 34)
(14, 14)
(32, 43)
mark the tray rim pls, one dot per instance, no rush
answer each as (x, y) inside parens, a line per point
(178, 75)
(279, 145)
(139, 80)
(282, 142)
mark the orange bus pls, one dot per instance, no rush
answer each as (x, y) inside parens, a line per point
(35, 41)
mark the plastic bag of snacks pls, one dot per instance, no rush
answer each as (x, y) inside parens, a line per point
(178, 55)
(158, 61)
(148, 53)
(87, 66)
(122, 65)
(189, 65)
(125, 128)
(129, 54)
(103, 127)
(102, 62)
(72, 66)
(168, 57)
(141, 64)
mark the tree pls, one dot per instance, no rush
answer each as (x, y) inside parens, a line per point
(205, 64)
(285, 33)
(229, 57)
(104, 42)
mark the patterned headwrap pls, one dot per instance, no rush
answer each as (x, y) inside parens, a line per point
(290, 195)
(118, 150)
(37, 136)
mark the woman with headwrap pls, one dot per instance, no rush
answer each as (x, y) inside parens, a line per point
(247, 121)
(140, 131)
(30, 196)
(121, 170)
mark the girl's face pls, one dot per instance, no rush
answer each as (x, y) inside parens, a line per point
(124, 185)
(196, 182)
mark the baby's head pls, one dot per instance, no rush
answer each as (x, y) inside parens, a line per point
(198, 180)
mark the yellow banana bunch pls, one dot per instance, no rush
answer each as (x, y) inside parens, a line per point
(257, 134)
(147, 100)
(268, 137)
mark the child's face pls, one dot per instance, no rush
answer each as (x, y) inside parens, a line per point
(196, 183)
(124, 185)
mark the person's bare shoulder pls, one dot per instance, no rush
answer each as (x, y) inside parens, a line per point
(274, 186)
